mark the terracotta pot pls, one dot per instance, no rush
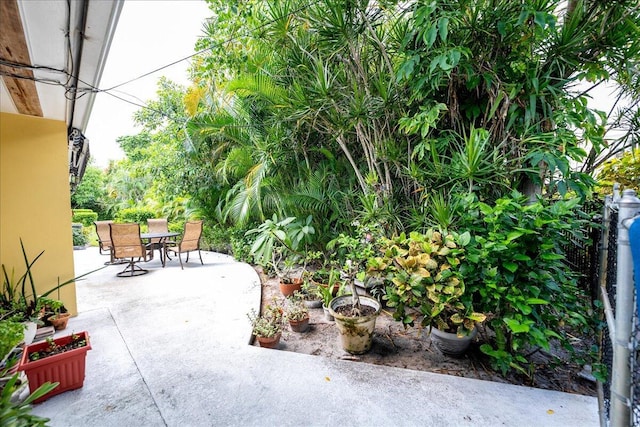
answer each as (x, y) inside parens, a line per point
(451, 344)
(59, 321)
(299, 325)
(288, 289)
(65, 368)
(269, 342)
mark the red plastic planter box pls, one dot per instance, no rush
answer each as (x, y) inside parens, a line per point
(65, 368)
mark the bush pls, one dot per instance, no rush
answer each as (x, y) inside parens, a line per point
(228, 240)
(516, 269)
(139, 215)
(11, 334)
(79, 237)
(84, 216)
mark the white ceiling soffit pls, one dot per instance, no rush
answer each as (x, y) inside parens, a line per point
(45, 24)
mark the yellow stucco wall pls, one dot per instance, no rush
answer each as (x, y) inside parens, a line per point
(35, 202)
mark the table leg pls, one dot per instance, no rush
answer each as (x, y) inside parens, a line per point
(162, 250)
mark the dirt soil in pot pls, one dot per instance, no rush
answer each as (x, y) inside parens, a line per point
(412, 349)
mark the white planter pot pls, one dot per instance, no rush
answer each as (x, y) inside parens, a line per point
(451, 344)
(30, 329)
(327, 314)
(356, 333)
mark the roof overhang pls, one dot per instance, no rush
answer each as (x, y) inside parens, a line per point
(52, 54)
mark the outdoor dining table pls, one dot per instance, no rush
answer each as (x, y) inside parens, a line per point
(163, 236)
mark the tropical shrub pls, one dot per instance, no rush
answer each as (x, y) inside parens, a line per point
(423, 280)
(139, 215)
(624, 170)
(79, 236)
(280, 243)
(84, 216)
(515, 268)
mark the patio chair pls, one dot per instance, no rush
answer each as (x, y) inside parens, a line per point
(190, 241)
(127, 245)
(158, 225)
(104, 238)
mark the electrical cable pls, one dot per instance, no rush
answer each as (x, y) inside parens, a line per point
(229, 40)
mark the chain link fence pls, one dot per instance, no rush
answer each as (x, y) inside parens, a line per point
(626, 411)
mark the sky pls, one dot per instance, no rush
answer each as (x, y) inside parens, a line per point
(149, 35)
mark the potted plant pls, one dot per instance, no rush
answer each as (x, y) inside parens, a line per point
(19, 300)
(333, 288)
(11, 338)
(281, 245)
(297, 313)
(355, 315)
(425, 286)
(310, 294)
(60, 360)
(11, 334)
(267, 327)
(56, 313)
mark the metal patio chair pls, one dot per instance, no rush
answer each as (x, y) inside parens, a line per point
(158, 225)
(190, 241)
(127, 245)
(104, 238)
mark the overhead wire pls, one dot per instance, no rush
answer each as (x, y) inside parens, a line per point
(229, 40)
(91, 88)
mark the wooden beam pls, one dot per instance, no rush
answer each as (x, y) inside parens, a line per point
(13, 48)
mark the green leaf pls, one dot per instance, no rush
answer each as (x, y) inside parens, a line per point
(515, 326)
(536, 301)
(540, 18)
(464, 238)
(511, 266)
(443, 26)
(430, 35)
(514, 235)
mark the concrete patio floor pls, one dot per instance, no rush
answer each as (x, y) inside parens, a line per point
(170, 348)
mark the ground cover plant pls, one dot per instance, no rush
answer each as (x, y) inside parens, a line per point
(378, 118)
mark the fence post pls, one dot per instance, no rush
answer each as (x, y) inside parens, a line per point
(629, 206)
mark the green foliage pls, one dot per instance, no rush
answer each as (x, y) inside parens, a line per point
(424, 282)
(625, 170)
(11, 334)
(79, 237)
(240, 245)
(19, 414)
(19, 300)
(84, 216)
(295, 308)
(281, 241)
(139, 215)
(270, 322)
(507, 68)
(91, 193)
(516, 270)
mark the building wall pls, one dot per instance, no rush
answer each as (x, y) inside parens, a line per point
(35, 202)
